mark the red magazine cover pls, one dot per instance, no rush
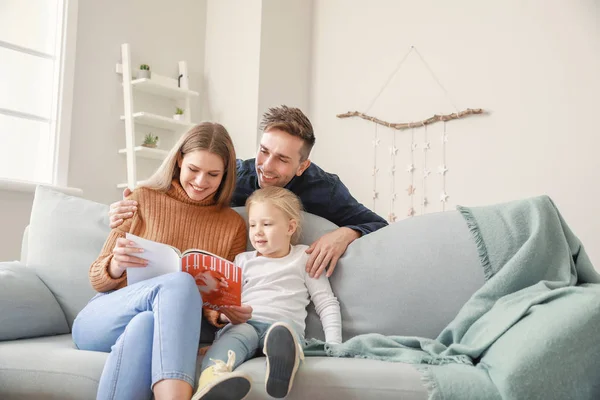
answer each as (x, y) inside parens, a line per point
(219, 281)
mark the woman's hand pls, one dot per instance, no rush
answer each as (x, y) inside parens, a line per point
(121, 210)
(125, 256)
(237, 314)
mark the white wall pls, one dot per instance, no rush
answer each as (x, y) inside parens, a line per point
(160, 34)
(257, 56)
(534, 65)
(232, 65)
(15, 208)
(285, 55)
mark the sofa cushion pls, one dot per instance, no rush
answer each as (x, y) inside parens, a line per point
(27, 308)
(324, 378)
(52, 368)
(49, 368)
(410, 278)
(66, 234)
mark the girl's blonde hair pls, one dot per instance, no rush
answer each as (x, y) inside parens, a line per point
(208, 136)
(284, 200)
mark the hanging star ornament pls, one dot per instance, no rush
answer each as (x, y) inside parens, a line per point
(375, 171)
(393, 170)
(442, 170)
(410, 168)
(415, 146)
(393, 150)
(375, 195)
(411, 212)
(392, 217)
(444, 197)
(393, 196)
(444, 138)
(425, 202)
(411, 190)
(376, 142)
(426, 146)
(426, 172)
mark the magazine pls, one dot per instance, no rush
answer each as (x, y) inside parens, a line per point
(219, 280)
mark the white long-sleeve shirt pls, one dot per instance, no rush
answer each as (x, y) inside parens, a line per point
(279, 289)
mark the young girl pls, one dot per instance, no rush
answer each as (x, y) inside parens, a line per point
(152, 328)
(277, 287)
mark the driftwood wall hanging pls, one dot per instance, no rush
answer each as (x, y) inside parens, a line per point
(419, 141)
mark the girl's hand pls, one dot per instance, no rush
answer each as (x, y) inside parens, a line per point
(124, 256)
(237, 314)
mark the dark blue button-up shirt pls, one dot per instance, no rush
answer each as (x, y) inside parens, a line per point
(321, 193)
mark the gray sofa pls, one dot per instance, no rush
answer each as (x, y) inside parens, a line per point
(410, 278)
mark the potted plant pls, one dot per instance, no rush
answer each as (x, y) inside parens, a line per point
(150, 140)
(178, 114)
(144, 71)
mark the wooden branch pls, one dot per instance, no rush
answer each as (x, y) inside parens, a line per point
(408, 125)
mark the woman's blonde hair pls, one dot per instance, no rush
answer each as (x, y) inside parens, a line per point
(284, 200)
(208, 136)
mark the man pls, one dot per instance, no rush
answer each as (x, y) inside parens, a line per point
(282, 160)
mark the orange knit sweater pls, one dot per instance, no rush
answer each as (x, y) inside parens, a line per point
(175, 219)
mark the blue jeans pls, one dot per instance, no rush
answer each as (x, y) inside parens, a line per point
(244, 339)
(151, 329)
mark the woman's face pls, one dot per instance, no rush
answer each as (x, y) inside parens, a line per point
(201, 173)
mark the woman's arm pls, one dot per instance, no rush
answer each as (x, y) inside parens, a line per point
(105, 273)
(326, 305)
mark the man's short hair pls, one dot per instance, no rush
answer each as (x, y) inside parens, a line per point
(292, 121)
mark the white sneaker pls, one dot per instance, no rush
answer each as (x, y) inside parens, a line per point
(220, 382)
(283, 352)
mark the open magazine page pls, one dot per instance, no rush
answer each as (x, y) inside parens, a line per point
(162, 259)
(219, 281)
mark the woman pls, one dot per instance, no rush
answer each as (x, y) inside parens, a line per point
(152, 328)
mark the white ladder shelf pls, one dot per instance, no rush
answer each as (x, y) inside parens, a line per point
(174, 89)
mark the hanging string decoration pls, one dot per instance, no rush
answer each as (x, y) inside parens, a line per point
(424, 173)
(375, 169)
(393, 153)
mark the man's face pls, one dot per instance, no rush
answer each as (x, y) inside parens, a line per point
(278, 158)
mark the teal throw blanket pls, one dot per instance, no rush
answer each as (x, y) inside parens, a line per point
(531, 332)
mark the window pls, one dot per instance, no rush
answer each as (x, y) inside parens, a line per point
(36, 76)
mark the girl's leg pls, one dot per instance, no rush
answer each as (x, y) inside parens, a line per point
(176, 306)
(242, 339)
(234, 345)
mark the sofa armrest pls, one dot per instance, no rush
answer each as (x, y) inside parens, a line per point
(27, 307)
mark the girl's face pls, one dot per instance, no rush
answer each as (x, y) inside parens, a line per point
(201, 173)
(270, 230)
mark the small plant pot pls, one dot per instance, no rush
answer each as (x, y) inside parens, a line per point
(142, 73)
(150, 145)
(178, 117)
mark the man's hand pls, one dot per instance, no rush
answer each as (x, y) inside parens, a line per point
(121, 210)
(237, 314)
(327, 250)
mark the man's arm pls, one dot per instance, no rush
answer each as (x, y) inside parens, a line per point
(354, 220)
(121, 210)
(345, 211)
